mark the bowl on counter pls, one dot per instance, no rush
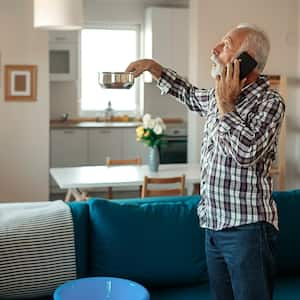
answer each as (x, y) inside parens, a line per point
(116, 80)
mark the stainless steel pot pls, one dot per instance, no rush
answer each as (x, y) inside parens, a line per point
(116, 80)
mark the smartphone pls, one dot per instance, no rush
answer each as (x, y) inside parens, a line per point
(247, 64)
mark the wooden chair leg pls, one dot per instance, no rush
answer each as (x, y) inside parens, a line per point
(196, 189)
(109, 193)
(140, 191)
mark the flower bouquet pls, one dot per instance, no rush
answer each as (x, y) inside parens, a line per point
(151, 132)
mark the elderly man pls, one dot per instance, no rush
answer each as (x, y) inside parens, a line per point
(243, 119)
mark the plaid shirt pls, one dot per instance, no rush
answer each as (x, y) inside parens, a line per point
(237, 151)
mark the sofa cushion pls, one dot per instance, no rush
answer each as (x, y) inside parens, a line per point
(188, 292)
(288, 204)
(287, 288)
(80, 214)
(155, 241)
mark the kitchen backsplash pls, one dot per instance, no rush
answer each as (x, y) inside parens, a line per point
(63, 99)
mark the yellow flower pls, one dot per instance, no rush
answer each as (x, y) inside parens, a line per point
(140, 132)
(151, 131)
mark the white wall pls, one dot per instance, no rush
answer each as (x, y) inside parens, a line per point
(213, 19)
(24, 130)
(63, 96)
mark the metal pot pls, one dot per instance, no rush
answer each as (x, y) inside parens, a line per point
(116, 80)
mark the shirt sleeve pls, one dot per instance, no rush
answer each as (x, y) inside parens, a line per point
(248, 140)
(195, 99)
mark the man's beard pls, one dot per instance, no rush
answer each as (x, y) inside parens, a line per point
(217, 68)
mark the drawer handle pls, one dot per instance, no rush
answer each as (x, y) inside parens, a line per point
(105, 131)
(68, 131)
(60, 38)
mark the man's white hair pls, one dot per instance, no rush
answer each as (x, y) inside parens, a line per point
(257, 41)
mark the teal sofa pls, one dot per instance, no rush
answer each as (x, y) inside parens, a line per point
(158, 243)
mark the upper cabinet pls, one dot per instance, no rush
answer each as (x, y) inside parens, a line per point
(63, 47)
(166, 37)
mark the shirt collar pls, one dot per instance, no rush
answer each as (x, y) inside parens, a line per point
(261, 83)
(254, 89)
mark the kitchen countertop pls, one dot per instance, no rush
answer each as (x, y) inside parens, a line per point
(95, 125)
(92, 123)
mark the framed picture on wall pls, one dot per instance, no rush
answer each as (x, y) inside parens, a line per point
(20, 82)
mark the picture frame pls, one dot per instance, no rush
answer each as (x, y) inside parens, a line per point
(20, 82)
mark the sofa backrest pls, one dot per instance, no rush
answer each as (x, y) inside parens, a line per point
(80, 213)
(141, 238)
(154, 241)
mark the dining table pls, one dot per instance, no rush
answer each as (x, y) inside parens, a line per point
(79, 180)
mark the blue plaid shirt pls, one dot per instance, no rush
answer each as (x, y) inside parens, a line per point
(237, 151)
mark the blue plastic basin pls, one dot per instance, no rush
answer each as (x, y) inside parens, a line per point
(101, 288)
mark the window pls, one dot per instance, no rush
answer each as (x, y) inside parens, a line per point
(107, 50)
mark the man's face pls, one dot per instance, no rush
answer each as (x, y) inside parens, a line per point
(226, 50)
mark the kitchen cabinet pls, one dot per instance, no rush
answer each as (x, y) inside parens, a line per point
(133, 148)
(67, 149)
(118, 143)
(91, 146)
(63, 55)
(166, 37)
(104, 142)
(62, 36)
(71, 147)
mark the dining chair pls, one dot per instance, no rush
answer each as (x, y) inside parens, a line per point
(170, 191)
(118, 162)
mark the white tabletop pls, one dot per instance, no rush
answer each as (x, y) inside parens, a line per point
(103, 176)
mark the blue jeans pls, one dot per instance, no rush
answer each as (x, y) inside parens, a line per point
(241, 261)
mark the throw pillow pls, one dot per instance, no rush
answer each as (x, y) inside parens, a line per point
(154, 241)
(37, 251)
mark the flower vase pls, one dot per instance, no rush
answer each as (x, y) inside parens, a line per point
(153, 159)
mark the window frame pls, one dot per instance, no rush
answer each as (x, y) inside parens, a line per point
(138, 83)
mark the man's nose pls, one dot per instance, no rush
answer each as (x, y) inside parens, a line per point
(216, 50)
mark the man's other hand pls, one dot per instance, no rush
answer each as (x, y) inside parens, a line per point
(139, 66)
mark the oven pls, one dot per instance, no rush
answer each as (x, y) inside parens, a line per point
(174, 146)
